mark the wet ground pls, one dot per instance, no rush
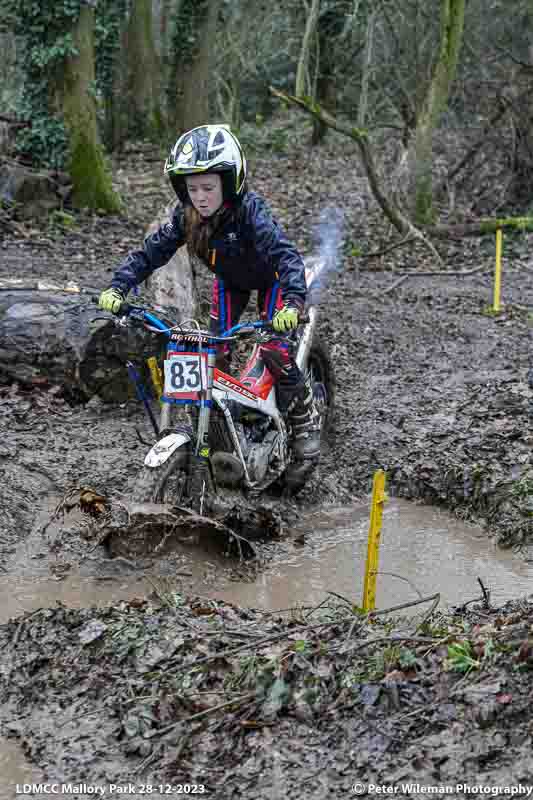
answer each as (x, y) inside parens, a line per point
(431, 387)
(423, 551)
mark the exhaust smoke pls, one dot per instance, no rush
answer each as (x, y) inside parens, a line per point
(328, 234)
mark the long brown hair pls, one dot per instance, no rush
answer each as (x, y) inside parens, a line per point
(198, 231)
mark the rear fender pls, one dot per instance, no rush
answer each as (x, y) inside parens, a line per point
(163, 449)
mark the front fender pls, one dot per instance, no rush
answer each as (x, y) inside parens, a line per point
(163, 449)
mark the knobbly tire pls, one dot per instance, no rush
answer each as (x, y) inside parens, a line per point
(323, 383)
(165, 483)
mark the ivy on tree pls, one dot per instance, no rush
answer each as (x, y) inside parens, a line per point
(44, 30)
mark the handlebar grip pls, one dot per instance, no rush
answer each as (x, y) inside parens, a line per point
(125, 308)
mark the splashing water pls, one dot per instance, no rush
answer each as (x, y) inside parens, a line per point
(329, 234)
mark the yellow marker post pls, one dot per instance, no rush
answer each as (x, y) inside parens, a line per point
(374, 535)
(498, 272)
(157, 377)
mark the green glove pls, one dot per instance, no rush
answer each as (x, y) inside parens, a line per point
(285, 319)
(111, 300)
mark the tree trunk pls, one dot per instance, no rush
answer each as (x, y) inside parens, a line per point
(328, 29)
(193, 54)
(145, 120)
(520, 191)
(303, 61)
(326, 95)
(117, 110)
(434, 102)
(367, 68)
(57, 338)
(90, 178)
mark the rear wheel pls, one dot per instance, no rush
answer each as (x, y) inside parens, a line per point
(322, 379)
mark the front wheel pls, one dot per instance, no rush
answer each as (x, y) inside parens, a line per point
(164, 484)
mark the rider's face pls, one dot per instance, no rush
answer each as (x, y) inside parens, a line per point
(205, 192)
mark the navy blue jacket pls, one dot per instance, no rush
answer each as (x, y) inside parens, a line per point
(250, 253)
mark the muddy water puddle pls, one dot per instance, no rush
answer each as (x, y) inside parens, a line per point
(423, 551)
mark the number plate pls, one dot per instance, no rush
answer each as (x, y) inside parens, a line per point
(185, 375)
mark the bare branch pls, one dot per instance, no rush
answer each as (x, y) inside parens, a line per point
(524, 64)
(360, 136)
(16, 123)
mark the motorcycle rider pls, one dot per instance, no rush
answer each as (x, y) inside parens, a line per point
(231, 230)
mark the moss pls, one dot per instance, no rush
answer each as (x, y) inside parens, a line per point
(359, 133)
(91, 180)
(516, 223)
(424, 213)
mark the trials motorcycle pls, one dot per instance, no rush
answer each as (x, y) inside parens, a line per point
(233, 435)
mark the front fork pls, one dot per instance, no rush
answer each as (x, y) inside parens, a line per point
(199, 466)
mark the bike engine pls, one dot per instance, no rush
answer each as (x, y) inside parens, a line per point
(261, 448)
(264, 456)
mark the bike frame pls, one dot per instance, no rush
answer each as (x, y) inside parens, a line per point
(221, 389)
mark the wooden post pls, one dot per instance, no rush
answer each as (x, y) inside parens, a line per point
(374, 535)
(498, 272)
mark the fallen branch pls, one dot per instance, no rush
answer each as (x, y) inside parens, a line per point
(272, 638)
(486, 593)
(341, 597)
(405, 605)
(439, 274)
(16, 123)
(480, 227)
(392, 286)
(428, 613)
(401, 578)
(211, 710)
(380, 639)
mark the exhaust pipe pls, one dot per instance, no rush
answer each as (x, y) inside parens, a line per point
(313, 268)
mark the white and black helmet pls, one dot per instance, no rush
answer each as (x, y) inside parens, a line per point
(208, 148)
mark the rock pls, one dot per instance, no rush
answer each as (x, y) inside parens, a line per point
(35, 193)
(53, 335)
(92, 631)
(63, 339)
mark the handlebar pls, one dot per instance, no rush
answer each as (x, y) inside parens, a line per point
(156, 325)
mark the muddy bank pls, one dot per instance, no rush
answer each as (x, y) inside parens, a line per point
(254, 704)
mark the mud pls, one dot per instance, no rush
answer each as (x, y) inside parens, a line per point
(431, 387)
(248, 704)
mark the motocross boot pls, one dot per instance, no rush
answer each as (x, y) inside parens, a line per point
(303, 419)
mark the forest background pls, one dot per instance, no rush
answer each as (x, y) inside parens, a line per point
(437, 94)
